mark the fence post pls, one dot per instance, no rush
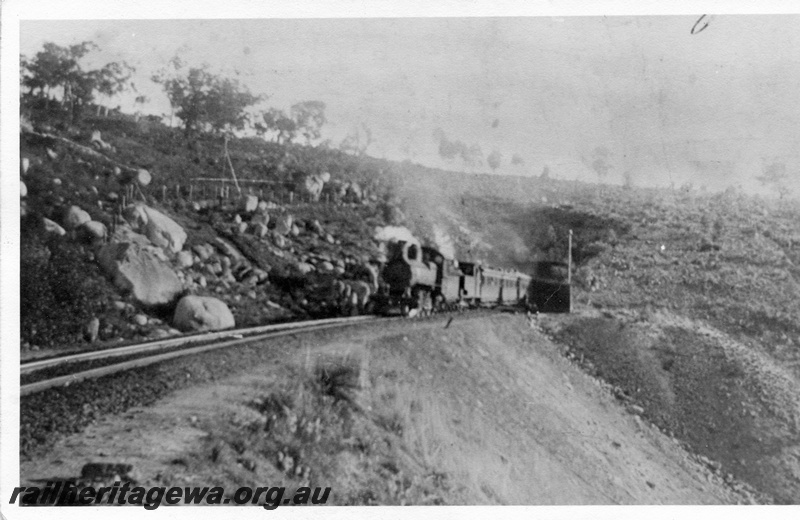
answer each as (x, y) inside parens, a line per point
(291, 197)
(164, 193)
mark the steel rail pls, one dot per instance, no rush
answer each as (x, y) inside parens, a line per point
(138, 348)
(298, 327)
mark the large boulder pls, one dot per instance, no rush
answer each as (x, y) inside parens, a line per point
(159, 228)
(137, 270)
(202, 313)
(75, 217)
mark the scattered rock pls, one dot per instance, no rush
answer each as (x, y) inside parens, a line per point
(52, 227)
(636, 409)
(313, 185)
(227, 249)
(140, 320)
(260, 230)
(75, 217)
(122, 306)
(23, 190)
(202, 313)
(52, 155)
(97, 141)
(259, 218)
(25, 163)
(316, 227)
(325, 267)
(329, 238)
(143, 177)
(204, 251)
(139, 271)
(279, 240)
(184, 259)
(284, 225)
(249, 203)
(305, 268)
(91, 330)
(92, 232)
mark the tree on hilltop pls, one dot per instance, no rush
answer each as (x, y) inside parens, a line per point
(205, 102)
(305, 118)
(355, 143)
(56, 71)
(309, 116)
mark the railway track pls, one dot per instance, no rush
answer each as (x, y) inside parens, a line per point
(72, 368)
(144, 354)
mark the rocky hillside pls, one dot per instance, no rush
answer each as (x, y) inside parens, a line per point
(121, 241)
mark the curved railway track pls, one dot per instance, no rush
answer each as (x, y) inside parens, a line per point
(144, 354)
(71, 368)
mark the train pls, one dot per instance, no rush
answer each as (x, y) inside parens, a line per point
(419, 280)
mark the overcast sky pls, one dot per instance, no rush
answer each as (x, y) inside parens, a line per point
(641, 94)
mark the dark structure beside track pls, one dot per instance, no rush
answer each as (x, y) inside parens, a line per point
(549, 289)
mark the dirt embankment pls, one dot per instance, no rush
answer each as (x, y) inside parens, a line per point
(479, 410)
(728, 402)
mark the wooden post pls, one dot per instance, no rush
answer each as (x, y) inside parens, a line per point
(291, 197)
(177, 191)
(163, 193)
(569, 269)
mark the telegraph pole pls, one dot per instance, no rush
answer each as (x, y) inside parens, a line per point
(569, 270)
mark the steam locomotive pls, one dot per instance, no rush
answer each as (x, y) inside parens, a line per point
(420, 280)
